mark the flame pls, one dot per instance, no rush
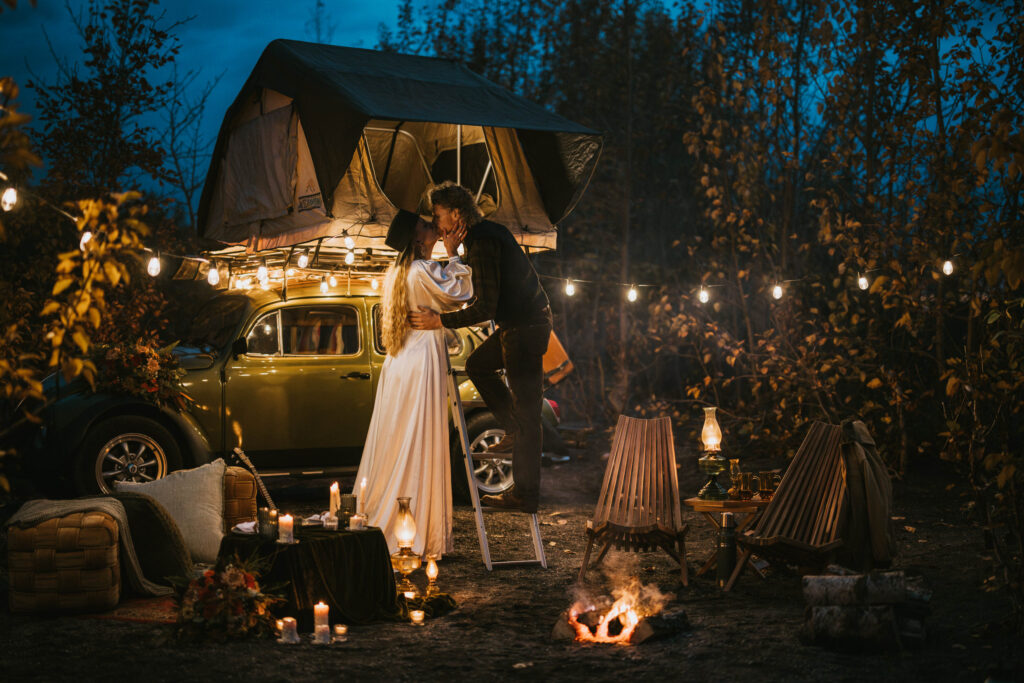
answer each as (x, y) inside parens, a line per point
(238, 431)
(623, 609)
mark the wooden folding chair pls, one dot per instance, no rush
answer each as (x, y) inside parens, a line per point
(638, 509)
(801, 523)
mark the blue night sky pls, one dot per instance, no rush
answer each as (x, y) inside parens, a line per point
(224, 36)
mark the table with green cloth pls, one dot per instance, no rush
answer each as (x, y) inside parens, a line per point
(349, 570)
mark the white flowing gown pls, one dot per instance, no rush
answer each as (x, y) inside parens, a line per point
(406, 450)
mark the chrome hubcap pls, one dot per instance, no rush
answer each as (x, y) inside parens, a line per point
(129, 457)
(492, 476)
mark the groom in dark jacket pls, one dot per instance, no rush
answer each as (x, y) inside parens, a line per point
(507, 291)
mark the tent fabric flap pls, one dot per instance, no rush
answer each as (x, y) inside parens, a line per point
(260, 168)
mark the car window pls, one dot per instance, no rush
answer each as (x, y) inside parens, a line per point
(452, 338)
(216, 321)
(378, 329)
(263, 339)
(320, 330)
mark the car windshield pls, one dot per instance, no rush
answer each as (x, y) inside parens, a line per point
(217, 321)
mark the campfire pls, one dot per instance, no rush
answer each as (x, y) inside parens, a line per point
(636, 615)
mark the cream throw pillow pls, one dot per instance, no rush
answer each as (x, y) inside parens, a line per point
(195, 500)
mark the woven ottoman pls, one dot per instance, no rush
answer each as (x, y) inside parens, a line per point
(239, 497)
(65, 564)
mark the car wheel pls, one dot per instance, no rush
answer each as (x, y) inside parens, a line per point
(492, 476)
(128, 448)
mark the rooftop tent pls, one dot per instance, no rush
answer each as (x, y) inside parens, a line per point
(325, 141)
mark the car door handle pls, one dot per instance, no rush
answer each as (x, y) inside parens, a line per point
(356, 375)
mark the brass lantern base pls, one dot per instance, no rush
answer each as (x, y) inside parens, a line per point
(713, 464)
(405, 562)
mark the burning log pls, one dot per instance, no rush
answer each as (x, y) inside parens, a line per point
(617, 627)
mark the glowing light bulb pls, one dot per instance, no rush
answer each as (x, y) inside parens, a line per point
(460, 250)
(323, 285)
(290, 272)
(947, 267)
(374, 284)
(349, 242)
(632, 294)
(333, 281)
(703, 295)
(8, 199)
(350, 258)
(777, 291)
(153, 267)
(264, 284)
(86, 236)
(261, 272)
(304, 258)
(267, 329)
(213, 277)
(570, 288)
(862, 282)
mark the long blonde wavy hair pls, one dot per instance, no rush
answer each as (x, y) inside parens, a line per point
(395, 301)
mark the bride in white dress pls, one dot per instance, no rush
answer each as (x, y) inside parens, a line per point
(406, 450)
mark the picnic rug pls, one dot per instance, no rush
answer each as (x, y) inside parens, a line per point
(158, 610)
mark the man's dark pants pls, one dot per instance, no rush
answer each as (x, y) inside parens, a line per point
(520, 351)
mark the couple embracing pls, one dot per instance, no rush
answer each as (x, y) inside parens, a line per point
(406, 450)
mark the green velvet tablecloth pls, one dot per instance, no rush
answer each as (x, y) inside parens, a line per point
(349, 570)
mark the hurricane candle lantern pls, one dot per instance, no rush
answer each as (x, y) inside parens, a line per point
(405, 561)
(712, 463)
(285, 529)
(431, 575)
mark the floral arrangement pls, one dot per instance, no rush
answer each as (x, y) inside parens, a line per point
(224, 603)
(141, 370)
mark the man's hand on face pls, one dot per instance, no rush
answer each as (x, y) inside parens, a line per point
(452, 239)
(424, 319)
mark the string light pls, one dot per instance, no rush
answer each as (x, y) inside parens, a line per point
(350, 257)
(9, 198)
(153, 267)
(862, 281)
(290, 272)
(777, 291)
(349, 242)
(304, 258)
(632, 293)
(947, 267)
(703, 295)
(570, 288)
(86, 236)
(333, 280)
(460, 250)
(374, 284)
(323, 285)
(261, 272)
(213, 277)
(264, 285)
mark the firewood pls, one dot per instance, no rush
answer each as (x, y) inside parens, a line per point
(850, 628)
(661, 625)
(880, 588)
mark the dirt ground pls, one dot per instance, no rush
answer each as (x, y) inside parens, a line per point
(502, 628)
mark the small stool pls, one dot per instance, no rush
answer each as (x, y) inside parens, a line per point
(68, 563)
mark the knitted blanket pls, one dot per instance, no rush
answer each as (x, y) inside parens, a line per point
(35, 511)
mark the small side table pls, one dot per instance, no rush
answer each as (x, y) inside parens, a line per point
(747, 512)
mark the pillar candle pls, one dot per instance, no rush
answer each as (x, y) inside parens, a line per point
(335, 499)
(285, 530)
(321, 614)
(322, 634)
(289, 630)
(361, 500)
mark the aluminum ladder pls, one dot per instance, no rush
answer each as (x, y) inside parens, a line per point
(459, 415)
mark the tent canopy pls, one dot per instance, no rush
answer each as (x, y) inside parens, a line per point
(324, 141)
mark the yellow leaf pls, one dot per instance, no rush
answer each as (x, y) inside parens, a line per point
(876, 286)
(111, 271)
(62, 284)
(50, 307)
(875, 383)
(952, 385)
(81, 340)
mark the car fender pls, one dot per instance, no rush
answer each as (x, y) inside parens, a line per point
(191, 437)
